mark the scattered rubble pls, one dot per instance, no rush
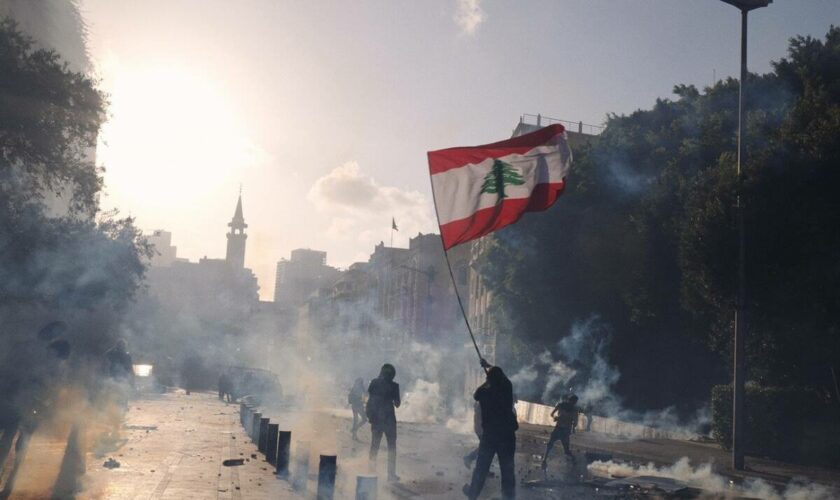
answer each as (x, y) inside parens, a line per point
(232, 462)
(146, 428)
(111, 463)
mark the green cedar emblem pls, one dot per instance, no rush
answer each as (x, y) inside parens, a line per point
(502, 174)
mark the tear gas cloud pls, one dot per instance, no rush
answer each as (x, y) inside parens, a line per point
(578, 363)
(704, 477)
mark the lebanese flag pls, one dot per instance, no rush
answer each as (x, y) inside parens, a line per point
(480, 189)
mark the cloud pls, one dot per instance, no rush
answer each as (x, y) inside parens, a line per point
(360, 209)
(469, 15)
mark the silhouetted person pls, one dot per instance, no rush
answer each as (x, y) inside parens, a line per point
(120, 365)
(225, 387)
(498, 436)
(383, 397)
(565, 415)
(356, 399)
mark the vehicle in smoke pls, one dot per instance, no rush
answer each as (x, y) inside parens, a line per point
(144, 378)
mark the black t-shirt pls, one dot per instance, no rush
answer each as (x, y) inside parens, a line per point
(384, 396)
(567, 414)
(497, 414)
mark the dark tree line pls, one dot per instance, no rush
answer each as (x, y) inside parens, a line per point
(67, 270)
(645, 237)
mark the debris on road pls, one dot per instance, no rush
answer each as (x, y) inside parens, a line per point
(232, 462)
(146, 428)
(111, 464)
(652, 484)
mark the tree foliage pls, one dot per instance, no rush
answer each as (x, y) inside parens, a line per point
(53, 252)
(61, 259)
(645, 236)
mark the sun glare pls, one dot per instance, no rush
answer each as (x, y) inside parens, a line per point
(173, 138)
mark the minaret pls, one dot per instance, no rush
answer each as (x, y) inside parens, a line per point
(236, 237)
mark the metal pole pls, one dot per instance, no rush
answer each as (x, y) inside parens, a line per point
(271, 444)
(452, 276)
(262, 439)
(366, 487)
(739, 378)
(255, 427)
(284, 442)
(327, 466)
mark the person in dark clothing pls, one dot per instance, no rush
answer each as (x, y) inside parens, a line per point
(120, 364)
(498, 436)
(225, 387)
(356, 399)
(383, 397)
(566, 416)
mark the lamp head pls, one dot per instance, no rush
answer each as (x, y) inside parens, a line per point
(748, 5)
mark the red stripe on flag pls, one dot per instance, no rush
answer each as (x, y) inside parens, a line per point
(509, 211)
(447, 159)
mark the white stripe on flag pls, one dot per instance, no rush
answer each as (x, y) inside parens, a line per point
(458, 191)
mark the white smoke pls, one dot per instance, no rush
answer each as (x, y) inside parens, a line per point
(422, 403)
(469, 15)
(579, 364)
(462, 420)
(704, 477)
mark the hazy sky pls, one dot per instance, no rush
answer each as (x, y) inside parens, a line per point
(324, 111)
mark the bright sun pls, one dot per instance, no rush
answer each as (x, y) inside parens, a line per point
(173, 139)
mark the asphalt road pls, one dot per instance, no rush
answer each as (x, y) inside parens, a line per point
(173, 446)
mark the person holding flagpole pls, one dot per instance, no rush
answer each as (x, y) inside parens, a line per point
(498, 436)
(478, 190)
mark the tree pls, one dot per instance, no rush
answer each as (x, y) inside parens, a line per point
(51, 117)
(501, 174)
(644, 237)
(75, 264)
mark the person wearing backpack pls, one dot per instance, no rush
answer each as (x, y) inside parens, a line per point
(383, 398)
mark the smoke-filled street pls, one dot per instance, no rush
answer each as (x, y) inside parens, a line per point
(176, 446)
(419, 250)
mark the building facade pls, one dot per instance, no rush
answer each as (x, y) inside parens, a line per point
(301, 276)
(210, 287)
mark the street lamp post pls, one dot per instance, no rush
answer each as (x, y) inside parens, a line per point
(740, 368)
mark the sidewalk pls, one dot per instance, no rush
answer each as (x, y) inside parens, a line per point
(174, 448)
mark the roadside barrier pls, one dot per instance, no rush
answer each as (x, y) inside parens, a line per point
(327, 466)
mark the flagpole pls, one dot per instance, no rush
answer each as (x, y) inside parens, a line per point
(460, 302)
(452, 277)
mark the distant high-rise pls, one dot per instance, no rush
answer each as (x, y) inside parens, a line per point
(301, 276)
(236, 238)
(164, 253)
